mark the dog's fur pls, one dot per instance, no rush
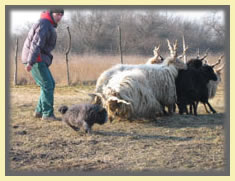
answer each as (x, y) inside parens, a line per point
(85, 115)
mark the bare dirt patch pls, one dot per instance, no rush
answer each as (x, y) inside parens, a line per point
(171, 143)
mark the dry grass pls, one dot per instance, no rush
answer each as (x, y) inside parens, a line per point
(172, 143)
(82, 68)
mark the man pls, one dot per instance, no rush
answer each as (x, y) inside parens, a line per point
(36, 55)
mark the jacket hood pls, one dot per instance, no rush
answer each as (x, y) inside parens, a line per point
(47, 15)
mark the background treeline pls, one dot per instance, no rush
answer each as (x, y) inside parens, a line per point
(96, 32)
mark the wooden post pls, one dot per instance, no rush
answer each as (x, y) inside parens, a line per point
(120, 43)
(16, 53)
(67, 53)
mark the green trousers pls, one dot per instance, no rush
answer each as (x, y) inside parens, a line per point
(44, 79)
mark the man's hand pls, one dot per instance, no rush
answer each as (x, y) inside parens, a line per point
(28, 67)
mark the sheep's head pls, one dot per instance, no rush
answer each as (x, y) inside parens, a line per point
(198, 62)
(118, 107)
(209, 72)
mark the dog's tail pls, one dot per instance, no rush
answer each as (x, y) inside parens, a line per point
(63, 109)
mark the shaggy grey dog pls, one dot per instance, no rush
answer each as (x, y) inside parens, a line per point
(83, 115)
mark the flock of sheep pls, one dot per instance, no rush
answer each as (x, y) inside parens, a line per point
(145, 90)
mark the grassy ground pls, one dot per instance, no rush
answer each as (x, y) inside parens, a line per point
(172, 143)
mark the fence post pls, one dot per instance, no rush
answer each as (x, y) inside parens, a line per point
(15, 72)
(66, 55)
(120, 43)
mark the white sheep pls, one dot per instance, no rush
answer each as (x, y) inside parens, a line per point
(129, 95)
(129, 87)
(106, 75)
(104, 78)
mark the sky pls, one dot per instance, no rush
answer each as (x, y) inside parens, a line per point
(20, 18)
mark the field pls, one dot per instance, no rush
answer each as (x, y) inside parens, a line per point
(176, 143)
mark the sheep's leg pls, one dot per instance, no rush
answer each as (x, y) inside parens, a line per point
(181, 108)
(170, 108)
(195, 109)
(211, 108)
(191, 109)
(206, 108)
(174, 108)
(196, 104)
(164, 111)
(186, 109)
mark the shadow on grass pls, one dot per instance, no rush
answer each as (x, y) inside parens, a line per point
(184, 121)
(134, 136)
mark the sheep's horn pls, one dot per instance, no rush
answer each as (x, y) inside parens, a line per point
(198, 53)
(156, 50)
(184, 55)
(118, 100)
(219, 69)
(184, 50)
(206, 54)
(218, 62)
(175, 48)
(170, 48)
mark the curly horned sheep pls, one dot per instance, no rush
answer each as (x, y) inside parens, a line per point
(195, 84)
(191, 87)
(104, 78)
(149, 86)
(85, 115)
(128, 95)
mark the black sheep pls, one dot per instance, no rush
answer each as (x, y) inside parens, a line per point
(191, 87)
